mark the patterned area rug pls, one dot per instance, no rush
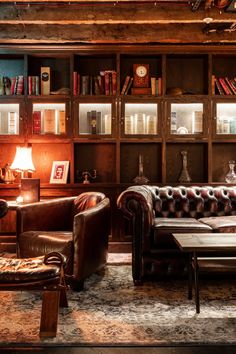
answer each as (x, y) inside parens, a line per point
(111, 311)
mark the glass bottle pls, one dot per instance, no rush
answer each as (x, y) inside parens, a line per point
(231, 176)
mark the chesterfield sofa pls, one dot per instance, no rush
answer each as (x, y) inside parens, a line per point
(155, 213)
(77, 227)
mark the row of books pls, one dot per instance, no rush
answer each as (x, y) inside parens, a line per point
(224, 85)
(155, 89)
(49, 121)
(103, 84)
(12, 86)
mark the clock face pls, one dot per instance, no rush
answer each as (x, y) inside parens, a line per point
(141, 71)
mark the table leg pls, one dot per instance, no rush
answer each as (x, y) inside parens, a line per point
(190, 276)
(195, 265)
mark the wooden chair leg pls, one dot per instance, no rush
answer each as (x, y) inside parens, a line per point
(49, 314)
(63, 298)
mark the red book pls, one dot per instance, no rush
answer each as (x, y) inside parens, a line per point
(107, 83)
(125, 85)
(114, 82)
(225, 86)
(30, 85)
(78, 84)
(13, 82)
(20, 85)
(36, 122)
(75, 83)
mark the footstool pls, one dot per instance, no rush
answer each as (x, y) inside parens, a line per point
(45, 273)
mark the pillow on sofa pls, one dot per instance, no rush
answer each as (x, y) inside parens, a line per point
(221, 223)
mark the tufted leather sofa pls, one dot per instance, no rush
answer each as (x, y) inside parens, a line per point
(77, 227)
(157, 212)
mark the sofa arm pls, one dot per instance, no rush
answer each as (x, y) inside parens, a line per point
(91, 230)
(136, 202)
(48, 215)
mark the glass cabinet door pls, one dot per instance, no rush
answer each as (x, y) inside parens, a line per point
(186, 118)
(9, 118)
(225, 118)
(49, 118)
(95, 118)
(140, 118)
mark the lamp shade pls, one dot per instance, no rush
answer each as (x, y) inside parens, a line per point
(23, 160)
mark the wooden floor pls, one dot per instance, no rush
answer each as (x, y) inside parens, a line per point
(127, 350)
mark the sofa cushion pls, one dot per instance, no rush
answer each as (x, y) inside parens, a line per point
(163, 229)
(220, 223)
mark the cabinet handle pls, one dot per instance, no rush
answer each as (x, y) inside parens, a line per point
(67, 118)
(21, 118)
(122, 120)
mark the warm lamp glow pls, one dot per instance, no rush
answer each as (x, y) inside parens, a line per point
(23, 160)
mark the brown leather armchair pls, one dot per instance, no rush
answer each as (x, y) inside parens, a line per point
(77, 227)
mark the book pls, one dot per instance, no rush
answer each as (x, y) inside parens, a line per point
(62, 122)
(213, 84)
(45, 80)
(49, 121)
(153, 86)
(13, 82)
(107, 83)
(219, 87)
(37, 122)
(114, 83)
(125, 85)
(129, 124)
(197, 122)
(20, 85)
(30, 79)
(159, 85)
(75, 83)
(36, 78)
(229, 83)
(151, 126)
(129, 85)
(225, 86)
(12, 123)
(84, 85)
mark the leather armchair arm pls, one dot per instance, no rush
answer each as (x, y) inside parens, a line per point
(48, 215)
(90, 235)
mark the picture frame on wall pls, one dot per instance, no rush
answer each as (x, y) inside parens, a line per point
(59, 172)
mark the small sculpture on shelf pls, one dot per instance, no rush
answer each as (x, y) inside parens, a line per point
(184, 175)
(140, 179)
(88, 176)
(231, 175)
(6, 174)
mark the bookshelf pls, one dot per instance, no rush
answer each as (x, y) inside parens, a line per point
(88, 121)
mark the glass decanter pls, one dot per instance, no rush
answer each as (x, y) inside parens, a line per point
(231, 175)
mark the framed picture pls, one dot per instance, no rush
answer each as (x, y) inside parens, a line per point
(59, 172)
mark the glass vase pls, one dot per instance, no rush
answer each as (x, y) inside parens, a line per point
(231, 175)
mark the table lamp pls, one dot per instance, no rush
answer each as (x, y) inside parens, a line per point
(29, 187)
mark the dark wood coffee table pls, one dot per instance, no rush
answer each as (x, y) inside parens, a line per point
(195, 244)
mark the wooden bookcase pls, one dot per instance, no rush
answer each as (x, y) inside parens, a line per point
(157, 126)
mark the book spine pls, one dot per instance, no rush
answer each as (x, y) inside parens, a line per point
(153, 86)
(16, 84)
(20, 86)
(37, 85)
(29, 85)
(91, 85)
(78, 84)
(13, 82)
(151, 125)
(37, 122)
(75, 83)
(159, 86)
(107, 83)
(129, 85)
(62, 122)
(213, 85)
(12, 124)
(49, 121)
(224, 85)
(114, 82)
(232, 88)
(129, 124)
(85, 85)
(125, 85)
(219, 87)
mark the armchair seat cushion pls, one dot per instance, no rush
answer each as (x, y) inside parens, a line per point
(164, 227)
(39, 243)
(220, 223)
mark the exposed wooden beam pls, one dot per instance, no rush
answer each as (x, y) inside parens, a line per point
(120, 14)
(173, 33)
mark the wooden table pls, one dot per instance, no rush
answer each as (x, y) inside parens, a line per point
(201, 243)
